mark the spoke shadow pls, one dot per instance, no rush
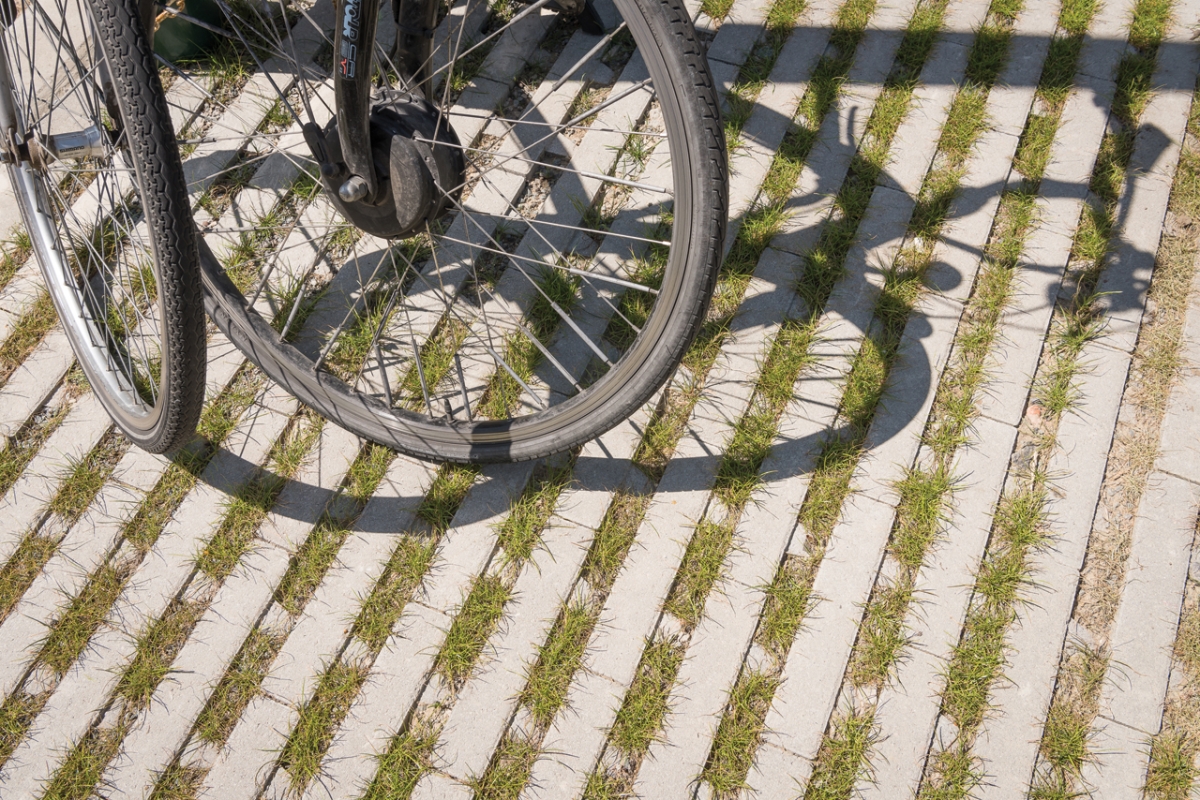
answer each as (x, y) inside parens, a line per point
(910, 380)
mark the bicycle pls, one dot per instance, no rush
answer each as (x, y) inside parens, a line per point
(483, 233)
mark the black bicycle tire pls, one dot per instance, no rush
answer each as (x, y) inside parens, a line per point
(698, 155)
(159, 176)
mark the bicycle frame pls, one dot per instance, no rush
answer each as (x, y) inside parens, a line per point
(353, 43)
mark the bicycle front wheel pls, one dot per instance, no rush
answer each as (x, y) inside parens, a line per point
(97, 174)
(563, 265)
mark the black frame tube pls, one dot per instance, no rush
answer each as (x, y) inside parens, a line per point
(353, 46)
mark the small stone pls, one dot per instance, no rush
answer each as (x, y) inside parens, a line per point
(1034, 412)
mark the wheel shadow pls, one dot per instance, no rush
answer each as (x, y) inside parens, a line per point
(910, 379)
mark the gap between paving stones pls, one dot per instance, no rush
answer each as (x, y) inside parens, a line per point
(1084, 443)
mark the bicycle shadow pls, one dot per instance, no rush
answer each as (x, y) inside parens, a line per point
(909, 380)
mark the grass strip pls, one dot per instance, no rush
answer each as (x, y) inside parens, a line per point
(639, 720)
(1174, 751)
(1078, 319)
(841, 761)
(1020, 524)
(14, 252)
(925, 493)
(84, 478)
(759, 227)
(22, 568)
(26, 334)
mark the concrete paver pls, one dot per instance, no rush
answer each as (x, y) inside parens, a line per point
(484, 708)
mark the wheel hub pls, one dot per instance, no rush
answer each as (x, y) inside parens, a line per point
(418, 163)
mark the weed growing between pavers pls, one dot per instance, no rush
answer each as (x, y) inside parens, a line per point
(28, 332)
(83, 615)
(701, 568)
(24, 445)
(238, 686)
(22, 568)
(788, 597)
(1173, 770)
(639, 720)
(78, 775)
(409, 756)
(841, 761)
(509, 770)
(739, 733)
(1079, 318)
(925, 492)
(84, 477)
(14, 253)
(16, 715)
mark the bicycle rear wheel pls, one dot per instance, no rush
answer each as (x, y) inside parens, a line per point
(93, 161)
(563, 275)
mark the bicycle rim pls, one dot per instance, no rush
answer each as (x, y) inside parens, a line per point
(554, 294)
(84, 208)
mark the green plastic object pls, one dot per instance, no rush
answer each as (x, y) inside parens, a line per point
(180, 39)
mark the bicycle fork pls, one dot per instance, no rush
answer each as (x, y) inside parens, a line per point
(353, 46)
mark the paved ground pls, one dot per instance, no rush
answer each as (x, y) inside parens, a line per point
(962, 561)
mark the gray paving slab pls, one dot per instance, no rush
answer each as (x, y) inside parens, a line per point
(33, 382)
(158, 580)
(1178, 454)
(739, 32)
(1131, 700)
(1143, 204)
(486, 704)
(231, 616)
(907, 710)
(401, 669)
(1008, 741)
